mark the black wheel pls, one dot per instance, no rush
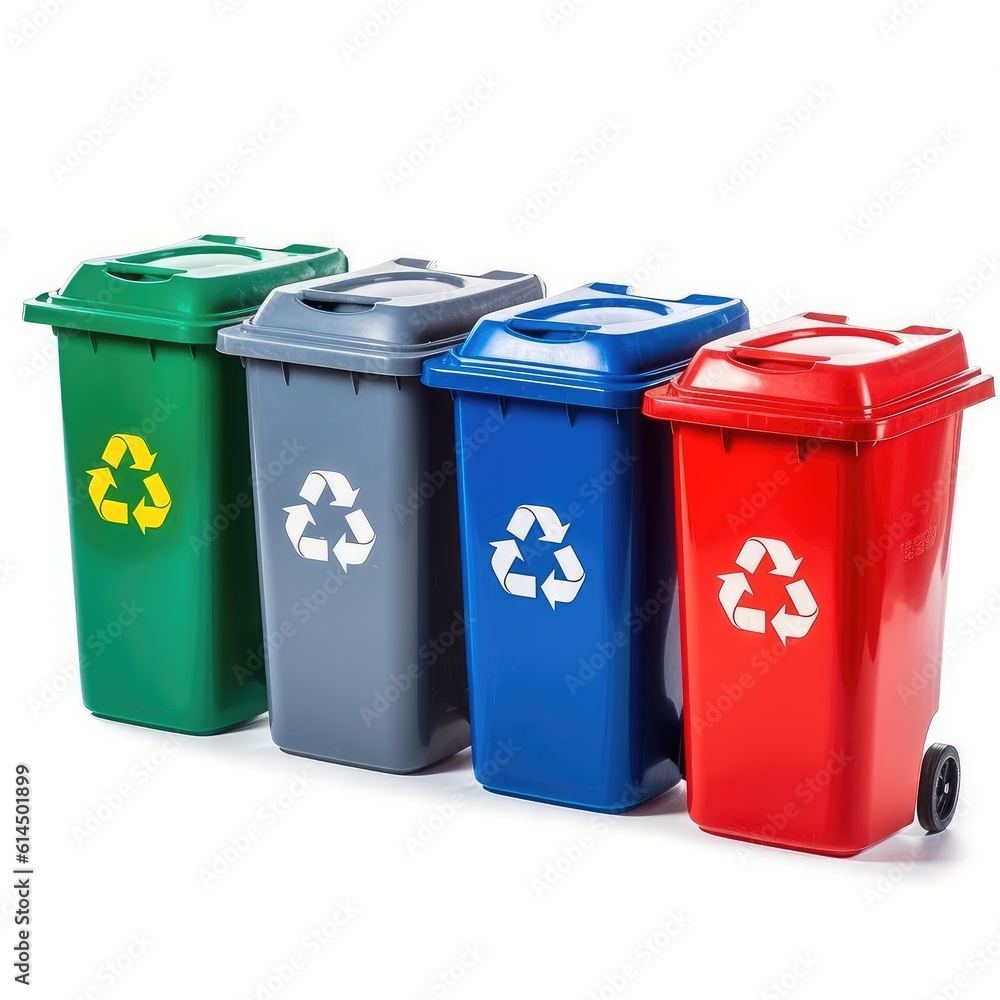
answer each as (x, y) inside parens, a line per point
(937, 794)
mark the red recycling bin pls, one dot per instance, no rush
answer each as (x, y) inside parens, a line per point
(815, 468)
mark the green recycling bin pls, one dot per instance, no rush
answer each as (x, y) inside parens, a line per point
(158, 466)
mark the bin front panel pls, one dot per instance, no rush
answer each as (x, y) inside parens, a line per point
(158, 469)
(570, 590)
(361, 590)
(812, 595)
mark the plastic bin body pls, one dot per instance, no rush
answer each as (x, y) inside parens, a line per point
(583, 699)
(158, 467)
(831, 463)
(365, 640)
(574, 680)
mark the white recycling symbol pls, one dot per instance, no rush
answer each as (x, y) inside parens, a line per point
(507, 552)
(300, 516)
(735, 585)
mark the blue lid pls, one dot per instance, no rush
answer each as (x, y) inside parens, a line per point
(599, 345)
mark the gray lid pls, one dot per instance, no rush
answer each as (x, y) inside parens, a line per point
(385, 319)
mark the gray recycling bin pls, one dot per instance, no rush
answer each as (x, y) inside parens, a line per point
(356, 505)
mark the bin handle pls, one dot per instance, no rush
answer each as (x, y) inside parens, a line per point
(763, 357)
(141, 272)
(540, 327)
(317, 298)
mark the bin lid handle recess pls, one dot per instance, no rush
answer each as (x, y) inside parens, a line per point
(318, 298)
(141, 272)
(776, 361)
(548, 327)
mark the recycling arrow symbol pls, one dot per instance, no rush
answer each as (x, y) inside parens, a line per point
(102, 480)
(750, 619)
(300, 516)
(507, 552)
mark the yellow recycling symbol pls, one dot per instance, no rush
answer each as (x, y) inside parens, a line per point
(101, 480)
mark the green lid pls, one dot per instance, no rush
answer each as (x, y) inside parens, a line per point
(182, 293)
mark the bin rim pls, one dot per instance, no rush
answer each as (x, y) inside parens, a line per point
(919, 375)
(122, 295)
(327, 323)
(351, 354)
(563, 386)
(664, 336)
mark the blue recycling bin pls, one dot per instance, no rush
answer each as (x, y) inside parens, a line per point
(568, 555)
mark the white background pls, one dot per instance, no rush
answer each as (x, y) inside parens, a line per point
(901, 920)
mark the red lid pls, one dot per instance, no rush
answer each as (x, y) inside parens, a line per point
(815, 376)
